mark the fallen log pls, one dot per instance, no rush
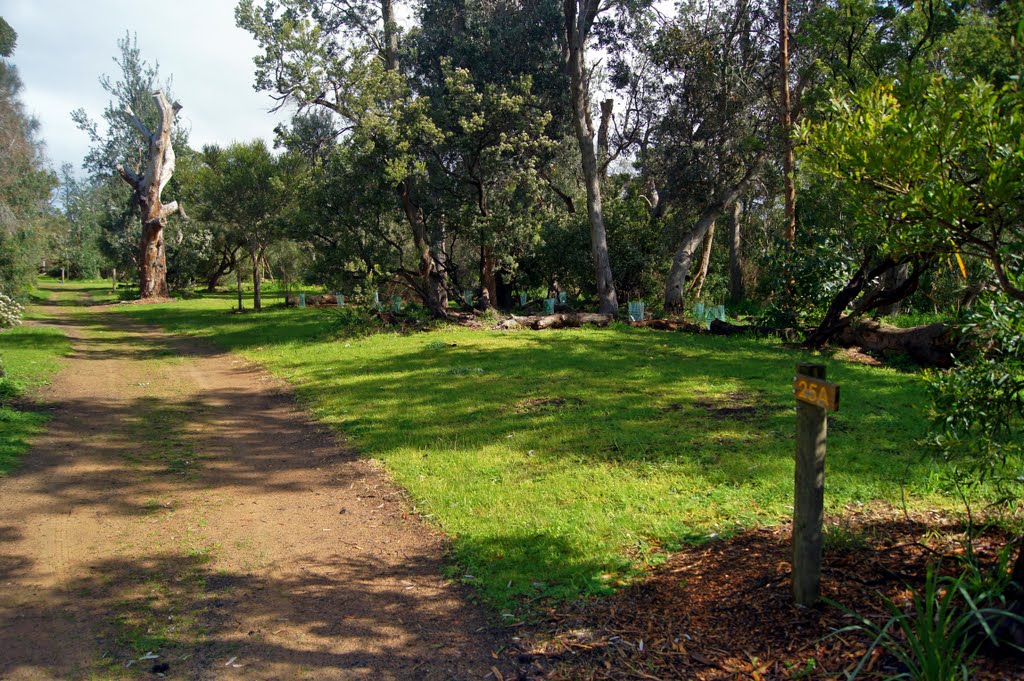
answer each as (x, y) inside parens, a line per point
(562, 320)
(929, 345)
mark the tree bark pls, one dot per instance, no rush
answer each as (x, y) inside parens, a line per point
(697, 285)
(488, 278)
(735, 255)
(893, 278)
(227, 262)
(579, 18)
(148, 188)
(786, 106)
(238, 284)
(432, 275)
(863, 293)
(607, 106)
(676, 283)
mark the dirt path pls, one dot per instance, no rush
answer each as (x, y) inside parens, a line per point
(181, 505)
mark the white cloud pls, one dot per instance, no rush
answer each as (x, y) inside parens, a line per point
(64, 46)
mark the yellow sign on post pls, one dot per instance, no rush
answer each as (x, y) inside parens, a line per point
(816, 391)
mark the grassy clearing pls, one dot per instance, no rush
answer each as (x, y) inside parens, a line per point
(562, 462)
(28, 356)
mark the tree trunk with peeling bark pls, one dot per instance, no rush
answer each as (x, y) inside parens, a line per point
(148, 188)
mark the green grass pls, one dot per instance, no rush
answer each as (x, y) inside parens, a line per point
(29, 357)
(561, 462)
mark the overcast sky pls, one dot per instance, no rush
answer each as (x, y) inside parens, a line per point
(64, 46)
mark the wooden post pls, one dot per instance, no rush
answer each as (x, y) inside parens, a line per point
(62, 275)
(809, 493)
(113, 280)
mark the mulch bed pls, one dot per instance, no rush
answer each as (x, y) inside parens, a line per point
(724, 611)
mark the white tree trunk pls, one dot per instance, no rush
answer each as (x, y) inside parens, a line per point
(148, 187)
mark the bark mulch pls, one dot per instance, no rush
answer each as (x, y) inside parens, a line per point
(723, 610)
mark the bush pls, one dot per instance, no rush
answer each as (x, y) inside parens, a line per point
(10, 312)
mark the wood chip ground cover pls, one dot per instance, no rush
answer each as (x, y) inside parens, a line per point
(723, 610)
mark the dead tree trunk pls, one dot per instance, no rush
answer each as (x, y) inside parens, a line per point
(863, 293)
(147, 188)
(561, 320)
(579, 18)
(735, 247)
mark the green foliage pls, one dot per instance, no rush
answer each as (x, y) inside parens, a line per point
(978, 406)
(78, 243)
(8, 38)
(26, 184)
(634, 239)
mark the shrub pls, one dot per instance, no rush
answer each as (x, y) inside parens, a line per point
(10, 312)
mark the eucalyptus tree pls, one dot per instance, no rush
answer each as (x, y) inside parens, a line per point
(345, 57)
(580, 17)
(716, 136)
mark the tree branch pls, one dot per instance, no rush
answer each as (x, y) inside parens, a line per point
(137, 123)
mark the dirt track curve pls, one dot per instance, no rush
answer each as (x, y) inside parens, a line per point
(182, 517)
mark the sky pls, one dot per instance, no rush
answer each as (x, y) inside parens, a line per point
(64, 46)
